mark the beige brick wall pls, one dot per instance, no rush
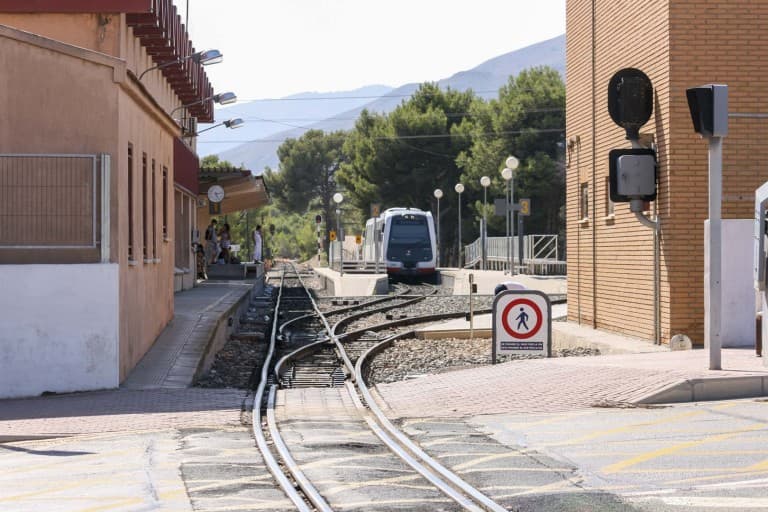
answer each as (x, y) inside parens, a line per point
(678, 44)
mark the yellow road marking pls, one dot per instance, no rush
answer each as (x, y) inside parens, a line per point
(482, 460)
(690, 470)
(661, 452)
(760, 466)
(398, 481)
(112, 506)
(49, 490)
(479, 454)
(216, 484)
(367, 503)
(520, 470)
(559, 485)
(715, 477)
(627, 428)
(330, 462)
(635, 426)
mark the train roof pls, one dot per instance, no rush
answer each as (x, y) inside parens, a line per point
(392, 211)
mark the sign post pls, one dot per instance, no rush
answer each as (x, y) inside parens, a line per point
(522, 323)
(709, 112)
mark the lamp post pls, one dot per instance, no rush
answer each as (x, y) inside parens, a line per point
(438, 194)
(459, 188)
(512, 163)
(225, 98)
(230, 123)
(509, 176)
(205, 58)
(485, 181)
(338, 198)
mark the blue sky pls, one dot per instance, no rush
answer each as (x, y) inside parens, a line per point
(274, 48)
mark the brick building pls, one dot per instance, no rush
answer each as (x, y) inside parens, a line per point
(615, 282)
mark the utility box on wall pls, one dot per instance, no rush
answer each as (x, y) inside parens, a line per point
(632, 174)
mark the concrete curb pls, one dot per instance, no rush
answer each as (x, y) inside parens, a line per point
(709, 388)
(228, 307)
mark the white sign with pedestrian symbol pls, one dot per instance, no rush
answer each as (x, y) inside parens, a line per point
(522, 323)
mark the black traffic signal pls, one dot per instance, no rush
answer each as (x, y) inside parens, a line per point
(709, 109)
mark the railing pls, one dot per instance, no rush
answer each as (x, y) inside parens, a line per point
(540, 255)
(334, 255)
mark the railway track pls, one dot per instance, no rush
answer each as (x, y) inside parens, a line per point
(322, 435)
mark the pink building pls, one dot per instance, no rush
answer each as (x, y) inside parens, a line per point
(98, 186)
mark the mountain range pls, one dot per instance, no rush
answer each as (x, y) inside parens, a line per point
(255, 145)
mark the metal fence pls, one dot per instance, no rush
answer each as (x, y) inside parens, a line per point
(540, 255)
(49, 201)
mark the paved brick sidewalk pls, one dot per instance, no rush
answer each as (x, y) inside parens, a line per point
(118, 411)
(555, 385)
(175, 356)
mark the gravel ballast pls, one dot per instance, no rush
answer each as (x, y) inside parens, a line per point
(414, 357)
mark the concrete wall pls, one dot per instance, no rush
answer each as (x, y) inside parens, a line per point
(65, 99)
(58, 328)
(146, 282)
(738, 305)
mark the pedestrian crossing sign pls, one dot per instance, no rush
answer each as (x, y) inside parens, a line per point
(522, 323)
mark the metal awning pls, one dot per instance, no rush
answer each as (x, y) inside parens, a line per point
(242, 190)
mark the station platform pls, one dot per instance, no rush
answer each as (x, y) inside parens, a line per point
(358, 284)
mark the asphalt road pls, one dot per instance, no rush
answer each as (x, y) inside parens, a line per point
(684, 457)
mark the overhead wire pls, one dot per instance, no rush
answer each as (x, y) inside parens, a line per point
(407, 137)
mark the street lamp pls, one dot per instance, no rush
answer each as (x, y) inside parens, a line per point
(224, 98)
(338, 198)
(230, 123)
(438, 194)
(459, 188)
(485, 181)
(205, 58)
(509, 176)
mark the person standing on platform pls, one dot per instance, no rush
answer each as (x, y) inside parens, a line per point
(226, 243)
(211, 243)
(257, 244)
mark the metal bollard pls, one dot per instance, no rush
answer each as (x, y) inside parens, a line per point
(759, 334)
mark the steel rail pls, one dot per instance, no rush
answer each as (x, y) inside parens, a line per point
(301, 479)
(339, 311)
(269, 459)
(455, 480)
(449, 490)
(350, 368)
(408, 458)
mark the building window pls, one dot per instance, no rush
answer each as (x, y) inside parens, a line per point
(584, 201)
(154, 211)
(144, 213)
(609, 205)
(165, 202)
(131, 254)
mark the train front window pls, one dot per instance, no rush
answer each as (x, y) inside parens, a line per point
(409, 239)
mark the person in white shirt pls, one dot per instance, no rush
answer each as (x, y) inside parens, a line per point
(257, 244)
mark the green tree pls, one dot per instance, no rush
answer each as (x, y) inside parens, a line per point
(306, 180)
(399, 159)
(527, 121)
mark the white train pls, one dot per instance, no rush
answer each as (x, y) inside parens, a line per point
(403, 242)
